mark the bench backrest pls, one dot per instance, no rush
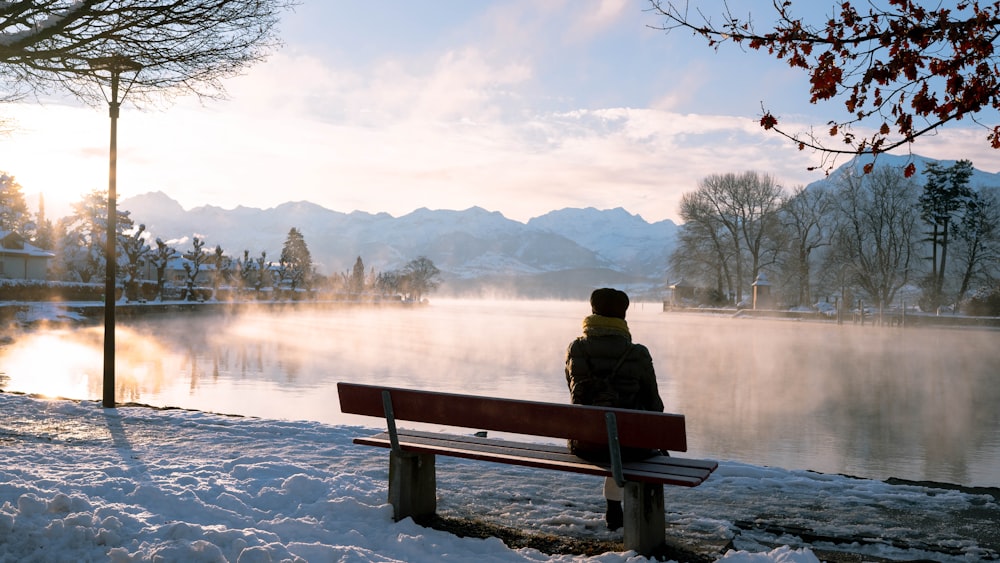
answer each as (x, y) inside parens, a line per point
(635, 428)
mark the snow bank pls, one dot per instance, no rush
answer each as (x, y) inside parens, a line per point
(82, 483)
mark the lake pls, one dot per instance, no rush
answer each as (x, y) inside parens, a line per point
(878, 402)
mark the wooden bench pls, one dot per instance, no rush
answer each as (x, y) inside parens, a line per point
(412, 481)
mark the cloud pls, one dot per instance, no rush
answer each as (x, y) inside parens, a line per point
(591, 18)
(521, 107)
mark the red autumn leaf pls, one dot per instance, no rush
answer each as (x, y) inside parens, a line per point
(889, 66)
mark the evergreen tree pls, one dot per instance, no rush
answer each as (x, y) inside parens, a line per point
(81, 247)
(44, 230)
(296, 259)
(14, 214)
(945, 194)
(356, 281)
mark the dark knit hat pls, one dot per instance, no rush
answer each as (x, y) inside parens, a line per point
(609, 302)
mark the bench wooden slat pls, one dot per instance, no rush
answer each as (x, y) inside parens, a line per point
(661, 469)
(696, 464)
(636, 428)
(412, 480)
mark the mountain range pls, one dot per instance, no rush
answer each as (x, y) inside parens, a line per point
(562, 254)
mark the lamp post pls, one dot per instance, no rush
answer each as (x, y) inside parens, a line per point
(115, 65)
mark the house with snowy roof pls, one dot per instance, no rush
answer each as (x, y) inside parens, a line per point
(175, 274)
(20, 260)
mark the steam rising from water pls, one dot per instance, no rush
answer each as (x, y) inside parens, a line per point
(870, 401)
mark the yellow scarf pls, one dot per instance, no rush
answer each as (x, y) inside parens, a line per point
(597, 325)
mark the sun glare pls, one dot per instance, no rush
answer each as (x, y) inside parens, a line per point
(54, 364)
(70, 364)
(57, 151)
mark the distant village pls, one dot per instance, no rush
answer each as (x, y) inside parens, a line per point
(66, 261)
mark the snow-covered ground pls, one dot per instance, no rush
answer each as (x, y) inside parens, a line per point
(82, 483)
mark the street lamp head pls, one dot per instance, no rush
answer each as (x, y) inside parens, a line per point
(116, 64)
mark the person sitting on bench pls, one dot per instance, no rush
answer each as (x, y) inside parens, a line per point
(605, 368)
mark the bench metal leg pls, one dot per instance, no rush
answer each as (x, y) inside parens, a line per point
(645, 522)
(412, 485)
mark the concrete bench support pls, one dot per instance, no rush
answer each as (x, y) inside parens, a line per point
(645, 523)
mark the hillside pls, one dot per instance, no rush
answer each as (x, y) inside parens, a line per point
(564, 253)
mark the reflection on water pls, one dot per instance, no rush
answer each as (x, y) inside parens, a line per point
(874, 402)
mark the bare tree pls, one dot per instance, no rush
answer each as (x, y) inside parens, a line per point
(222, 272)
(182, 47)
(704, 250)
(804, 219)
(160, 259)
(420, 277)
(977, 241)
(134, 251)
(746, 205)
(388, 283)
(193, 261)
(875, 244)
(263, 271)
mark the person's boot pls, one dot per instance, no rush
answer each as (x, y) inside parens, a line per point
(614, 516)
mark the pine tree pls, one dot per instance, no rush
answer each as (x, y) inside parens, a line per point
(356, 282)
(14, 214)
(81, 246)
(296, 259)
(945, 194)
(44, 230)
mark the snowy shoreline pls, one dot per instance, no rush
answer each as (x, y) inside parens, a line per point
(133, 483)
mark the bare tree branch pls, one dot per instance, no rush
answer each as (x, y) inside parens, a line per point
(183, 47)
(904, 70)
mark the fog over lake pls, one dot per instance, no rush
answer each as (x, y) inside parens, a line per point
(913, 403)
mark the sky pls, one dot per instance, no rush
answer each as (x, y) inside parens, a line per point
(83, 483)
(519, 106)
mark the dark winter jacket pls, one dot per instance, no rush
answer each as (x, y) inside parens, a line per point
(603, 344)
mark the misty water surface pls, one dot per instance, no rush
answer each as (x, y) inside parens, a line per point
(866, 401)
